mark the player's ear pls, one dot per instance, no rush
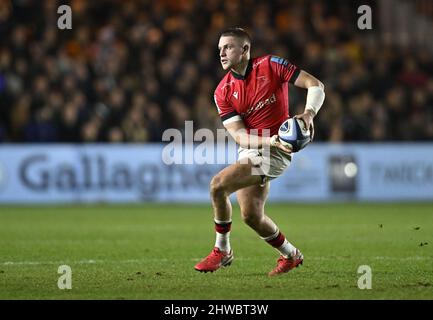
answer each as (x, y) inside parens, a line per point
(245, 48)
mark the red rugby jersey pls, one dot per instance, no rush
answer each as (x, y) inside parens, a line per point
(260, 98)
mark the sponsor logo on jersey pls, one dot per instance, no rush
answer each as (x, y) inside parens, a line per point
(260, 105)
(235, 94)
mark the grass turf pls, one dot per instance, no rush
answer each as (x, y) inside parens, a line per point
(149, 251)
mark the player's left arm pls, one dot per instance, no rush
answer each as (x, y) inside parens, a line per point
(315, 98)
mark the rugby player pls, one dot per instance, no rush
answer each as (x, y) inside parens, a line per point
(252, 100)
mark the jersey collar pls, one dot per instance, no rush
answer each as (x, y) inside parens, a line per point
(247, 72)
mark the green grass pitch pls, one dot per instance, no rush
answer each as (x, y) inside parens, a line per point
(149, 251)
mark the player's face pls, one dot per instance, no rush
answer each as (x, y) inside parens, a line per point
(231, 51)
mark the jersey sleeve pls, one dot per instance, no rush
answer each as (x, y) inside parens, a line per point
(287, 71)
(225, 110)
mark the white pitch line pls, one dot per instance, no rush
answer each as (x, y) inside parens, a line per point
(93, 261)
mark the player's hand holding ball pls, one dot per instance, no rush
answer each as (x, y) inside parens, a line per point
(307, 117)
(295, 133)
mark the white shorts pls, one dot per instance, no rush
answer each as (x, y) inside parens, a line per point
(269, 166)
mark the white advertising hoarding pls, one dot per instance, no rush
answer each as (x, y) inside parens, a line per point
(136, 173)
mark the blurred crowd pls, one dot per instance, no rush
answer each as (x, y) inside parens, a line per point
(128, 70)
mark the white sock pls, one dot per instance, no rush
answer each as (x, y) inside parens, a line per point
(223, 239)
(286, 249)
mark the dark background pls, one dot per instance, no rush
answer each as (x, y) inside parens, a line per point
(128, 70)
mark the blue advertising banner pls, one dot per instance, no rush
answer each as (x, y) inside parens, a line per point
(136, 173)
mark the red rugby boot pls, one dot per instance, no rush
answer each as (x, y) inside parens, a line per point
(215, 260)
(286, 264)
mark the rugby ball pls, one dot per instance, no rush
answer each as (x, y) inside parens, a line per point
(294, 134)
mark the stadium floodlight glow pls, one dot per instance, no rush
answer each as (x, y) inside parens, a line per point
(350, 169)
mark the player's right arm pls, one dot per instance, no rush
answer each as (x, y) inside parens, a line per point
(234, 124)
(239, 133)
